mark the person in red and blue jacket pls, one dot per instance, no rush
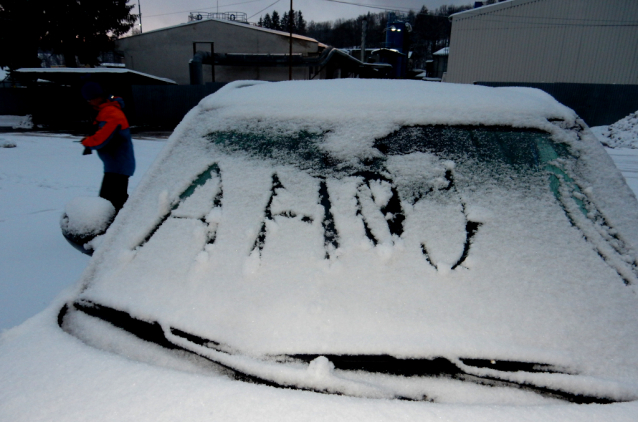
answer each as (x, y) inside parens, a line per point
(113, 144)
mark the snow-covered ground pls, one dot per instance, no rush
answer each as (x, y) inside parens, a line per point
(622, 134)
(626, 160)
(621, 141)
(37, 178)
(16, 122)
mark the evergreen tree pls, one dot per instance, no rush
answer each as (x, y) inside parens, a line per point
(20, 21)
(319, 30)
(267, 21)
(300, 23)
(73, 28)
(276, 22)
(285, 22)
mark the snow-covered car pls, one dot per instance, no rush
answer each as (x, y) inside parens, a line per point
(379, 239)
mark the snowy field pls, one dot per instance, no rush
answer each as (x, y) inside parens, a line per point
(37, 178)
(626, 160)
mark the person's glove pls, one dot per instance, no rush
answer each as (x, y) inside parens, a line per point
(87, 150)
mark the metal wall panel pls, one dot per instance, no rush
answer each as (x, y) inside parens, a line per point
(596, 104)
(166, 52)
(159, 106)
(14, 101)
(572, 41)
(166, 105)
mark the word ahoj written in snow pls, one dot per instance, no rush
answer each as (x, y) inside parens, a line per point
(382, 220)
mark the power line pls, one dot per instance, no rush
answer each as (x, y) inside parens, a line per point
(243, 2)
(270, 5)
(201, 8)
(175, 13)
(403, 9)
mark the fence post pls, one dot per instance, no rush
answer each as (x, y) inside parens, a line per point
(212, 58)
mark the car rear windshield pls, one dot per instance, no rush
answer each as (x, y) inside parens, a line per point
(528, 148)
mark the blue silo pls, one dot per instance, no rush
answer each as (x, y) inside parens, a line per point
(397, 40)
(395, 34)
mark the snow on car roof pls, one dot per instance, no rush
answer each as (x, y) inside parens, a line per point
(234, 240)
(403, 101)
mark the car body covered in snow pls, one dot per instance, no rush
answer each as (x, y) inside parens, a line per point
(383, 240)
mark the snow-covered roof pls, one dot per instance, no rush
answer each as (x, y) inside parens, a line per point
(489, 8)
(42, 72)
(442, 52)
(224, 21)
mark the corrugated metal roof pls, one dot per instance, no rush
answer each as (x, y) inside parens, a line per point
(243, 25)
(490, 8)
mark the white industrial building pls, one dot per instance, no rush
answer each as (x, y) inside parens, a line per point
(574, 41)
(166, 52)
(583, 48)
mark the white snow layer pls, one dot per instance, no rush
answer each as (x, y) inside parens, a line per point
(46, 374)
(244, 261)
(37, 178)
(531, 288)
(622, 134)
(87, 215)
(16, 122)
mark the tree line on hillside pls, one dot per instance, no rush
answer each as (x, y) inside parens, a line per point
(281, 23)
(431, 29)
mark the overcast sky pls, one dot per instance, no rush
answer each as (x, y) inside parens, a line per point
(160, 13)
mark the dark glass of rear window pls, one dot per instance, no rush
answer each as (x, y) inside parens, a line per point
(502, 145)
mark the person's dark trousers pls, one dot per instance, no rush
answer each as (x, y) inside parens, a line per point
(115, 189)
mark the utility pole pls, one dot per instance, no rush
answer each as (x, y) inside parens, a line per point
(139, 9)
(364, 29)
(290, 20)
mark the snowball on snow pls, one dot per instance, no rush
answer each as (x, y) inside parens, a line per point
(7, 144)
